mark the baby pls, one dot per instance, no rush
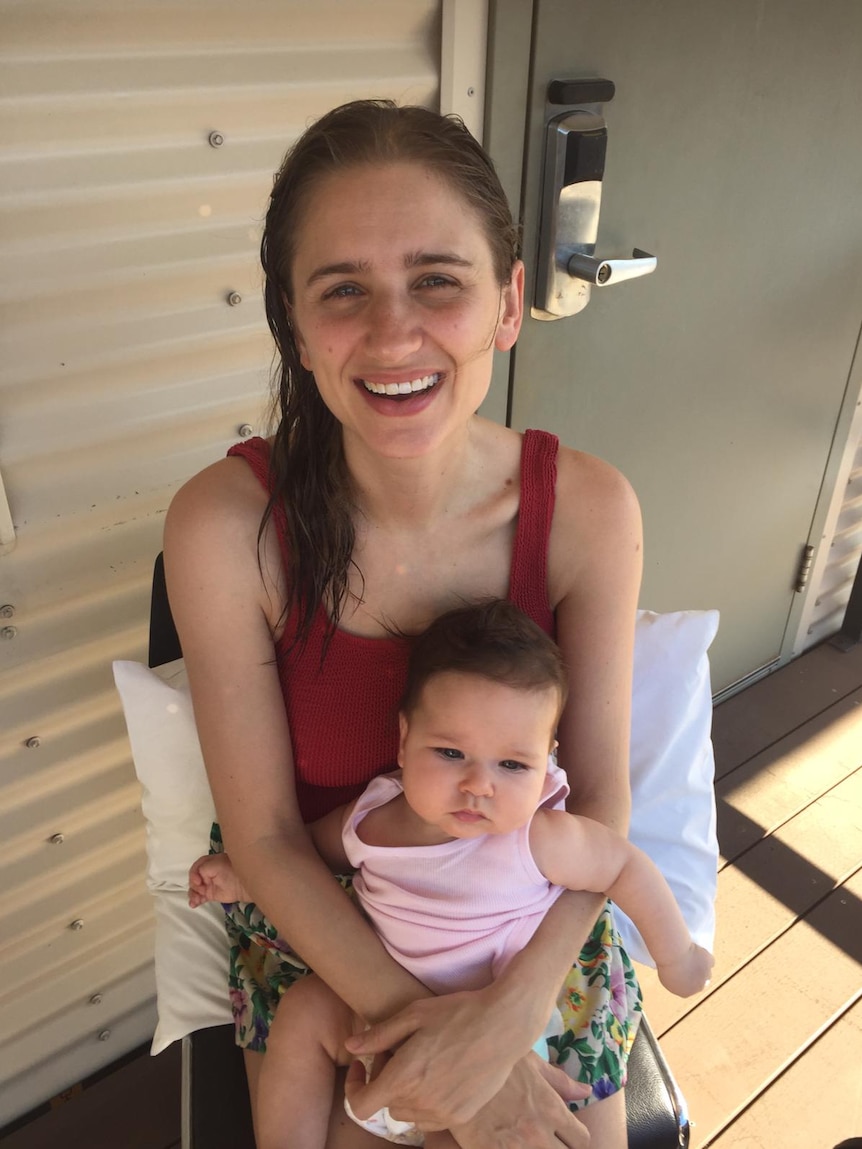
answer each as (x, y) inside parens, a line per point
(458, 855)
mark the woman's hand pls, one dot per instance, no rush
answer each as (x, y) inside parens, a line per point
(529, 1112)
(453, 1057)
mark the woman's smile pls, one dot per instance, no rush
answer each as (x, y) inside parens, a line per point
(406, 387)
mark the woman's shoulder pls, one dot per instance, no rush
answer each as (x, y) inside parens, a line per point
(225, 493)
(590, 485)
(213, 552)
(213, 523)
(596, 518)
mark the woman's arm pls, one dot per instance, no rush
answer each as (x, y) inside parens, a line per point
(594, 571)
(226, 606)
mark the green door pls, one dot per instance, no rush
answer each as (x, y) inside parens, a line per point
(735, 156)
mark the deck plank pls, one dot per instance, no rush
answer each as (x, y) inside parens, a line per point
(771, 788)
(827, 1080)
(738, 1039)
(773, 884)
(749, 722)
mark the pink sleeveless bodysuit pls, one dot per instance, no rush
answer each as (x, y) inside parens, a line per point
(453, 914)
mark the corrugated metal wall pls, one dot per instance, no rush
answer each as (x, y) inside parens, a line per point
(124, 370)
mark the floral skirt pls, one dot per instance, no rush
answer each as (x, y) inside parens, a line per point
(600, 1001)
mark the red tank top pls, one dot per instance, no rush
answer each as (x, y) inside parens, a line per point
(343, 715)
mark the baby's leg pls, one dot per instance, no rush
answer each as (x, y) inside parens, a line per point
(606, 1121)
(295, 1089)
(212, 879)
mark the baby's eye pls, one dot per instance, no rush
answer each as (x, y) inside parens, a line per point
(511, 764)
(449, 753)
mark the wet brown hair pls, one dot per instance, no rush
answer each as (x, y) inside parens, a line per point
(308, 472)
(492, 639)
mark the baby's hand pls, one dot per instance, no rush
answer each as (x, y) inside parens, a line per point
(688, 974)
(212, 879)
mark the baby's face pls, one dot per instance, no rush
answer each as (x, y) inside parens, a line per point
(474, 754)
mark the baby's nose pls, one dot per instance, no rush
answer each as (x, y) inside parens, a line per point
(477, 780)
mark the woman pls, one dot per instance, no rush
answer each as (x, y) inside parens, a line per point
(383, 500)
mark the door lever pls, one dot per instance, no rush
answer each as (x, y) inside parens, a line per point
(602, 272)
(575, 144)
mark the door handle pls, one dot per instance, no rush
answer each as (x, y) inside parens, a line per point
(602, 272)
(575, 146)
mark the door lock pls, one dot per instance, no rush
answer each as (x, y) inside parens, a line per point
(575, 146)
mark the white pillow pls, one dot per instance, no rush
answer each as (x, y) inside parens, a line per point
(672, 766)
(177, 803)
(191, 951)
(191, 946)
(673, 806)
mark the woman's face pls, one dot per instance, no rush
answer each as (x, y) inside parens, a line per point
(397, 308)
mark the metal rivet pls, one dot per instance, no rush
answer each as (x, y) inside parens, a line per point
(56, 839)
(104, 1035)
(234, 299)
(7, 610)
(33, 743)
(77, 924)
(96, 999)
(8, 632)
(216, 139)
(245, 431)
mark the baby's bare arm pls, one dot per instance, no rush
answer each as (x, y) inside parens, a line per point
(580, 853)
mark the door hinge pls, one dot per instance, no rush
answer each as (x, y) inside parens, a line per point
(804, 571)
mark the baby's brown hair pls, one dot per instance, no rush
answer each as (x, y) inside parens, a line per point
(493, 639)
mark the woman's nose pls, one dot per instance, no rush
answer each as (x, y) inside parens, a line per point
(393, 332)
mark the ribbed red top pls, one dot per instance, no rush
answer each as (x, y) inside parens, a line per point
(343, 715)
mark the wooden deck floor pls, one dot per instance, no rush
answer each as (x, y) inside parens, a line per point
(771, 1056)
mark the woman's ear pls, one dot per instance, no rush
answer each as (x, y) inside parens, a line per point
(511, 309)
(403, 727)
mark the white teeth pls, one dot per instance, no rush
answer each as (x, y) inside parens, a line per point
(406, 388)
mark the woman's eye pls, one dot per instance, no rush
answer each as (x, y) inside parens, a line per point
(342, 291)
(512, 765)
(449, 753)
(436, 281)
